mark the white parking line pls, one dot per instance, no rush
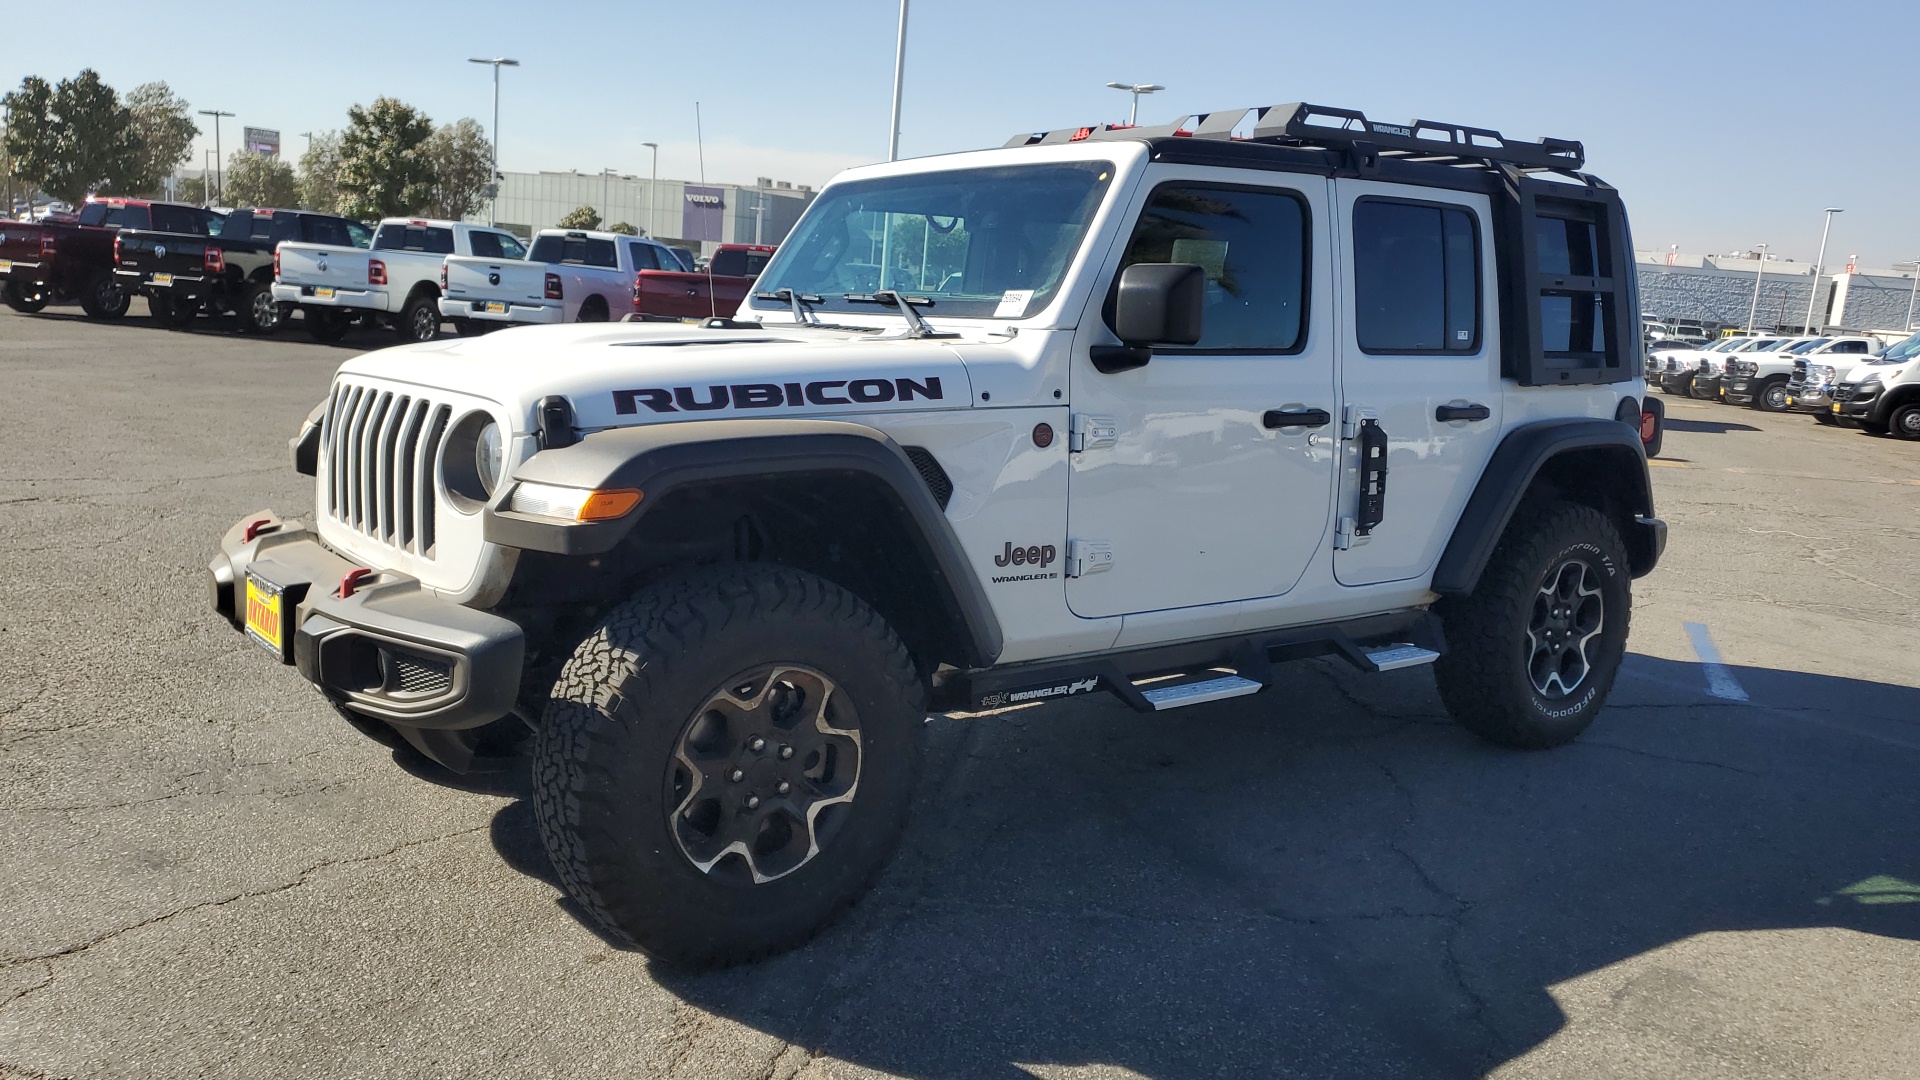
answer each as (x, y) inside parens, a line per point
(1720, 680)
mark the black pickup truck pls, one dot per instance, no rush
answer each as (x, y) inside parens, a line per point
(68, 261)
(182, 274)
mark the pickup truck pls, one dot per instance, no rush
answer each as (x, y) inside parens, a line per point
(231, 271)
(397, 282)
(1761, 380)
(719, 289)
(63, 262)
(569, 276)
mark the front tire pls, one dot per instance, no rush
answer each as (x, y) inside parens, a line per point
(1905, 421)
(728, 761)
(1535, 647)
(1771, 397)
(21, 300)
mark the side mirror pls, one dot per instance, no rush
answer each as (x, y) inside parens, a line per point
(1153, 304)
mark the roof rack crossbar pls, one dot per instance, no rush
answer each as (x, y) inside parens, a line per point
(1327, 127)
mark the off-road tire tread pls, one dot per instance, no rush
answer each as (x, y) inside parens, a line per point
(1473, 676)
(643, 639)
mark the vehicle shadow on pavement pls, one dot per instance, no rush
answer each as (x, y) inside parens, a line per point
(1332, 879)
(1707, 427)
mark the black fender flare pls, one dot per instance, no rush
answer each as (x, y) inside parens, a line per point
(658, 459)
(1515, 464)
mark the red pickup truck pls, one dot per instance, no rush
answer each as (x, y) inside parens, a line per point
(62, 262)
(719, 290)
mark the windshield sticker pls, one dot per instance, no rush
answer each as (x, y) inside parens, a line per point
(772, 395)
(1013, 303)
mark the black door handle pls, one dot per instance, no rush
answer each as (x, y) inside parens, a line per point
(1461, 412)
(1275, 418)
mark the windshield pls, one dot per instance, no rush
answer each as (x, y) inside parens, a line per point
(1730, 345)
(984, 243)
(1809, 346)
(1899, 354)
(1772, 345)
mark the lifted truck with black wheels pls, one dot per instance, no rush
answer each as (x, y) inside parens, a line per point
(230, 271)
(1158, 409)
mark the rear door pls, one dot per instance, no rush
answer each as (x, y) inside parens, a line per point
(1187, 471)
(1420, 372)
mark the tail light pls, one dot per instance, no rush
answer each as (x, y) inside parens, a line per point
(116, 248)
(47, 245)
(214, 260)
(276, 264)
(443, 277)
(376, 272)
(637, 279)
(553, 287)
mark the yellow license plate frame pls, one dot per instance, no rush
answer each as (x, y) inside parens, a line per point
(268, 615)
(6, 265)
(495, 307)
(323, 292)
(163, 279)
(1836, 406)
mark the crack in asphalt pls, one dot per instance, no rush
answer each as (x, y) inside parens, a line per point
(1590, 743)
(303, 877)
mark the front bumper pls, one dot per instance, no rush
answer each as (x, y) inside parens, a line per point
(1704, 386)
(515, 312)
(1860, 403)
(1809, 399)
(389, 650)
(1676, 382)
(309, 296)
(1739, 389)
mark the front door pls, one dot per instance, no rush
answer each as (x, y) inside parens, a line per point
(1205, 474)
(1421, 361)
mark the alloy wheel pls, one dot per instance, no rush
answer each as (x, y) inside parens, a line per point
(763, 773)
(265, 313)
(1569, 613)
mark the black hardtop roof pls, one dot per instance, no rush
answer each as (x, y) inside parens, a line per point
(1350, 138)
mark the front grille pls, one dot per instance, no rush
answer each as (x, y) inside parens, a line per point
(381, 448)
(1845, 391)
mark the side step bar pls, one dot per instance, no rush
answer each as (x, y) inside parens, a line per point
(1202, 671)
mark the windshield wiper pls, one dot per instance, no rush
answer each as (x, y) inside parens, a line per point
(795, 300)
(916, 326)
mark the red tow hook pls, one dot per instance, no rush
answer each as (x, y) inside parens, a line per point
(258, 526)
(350, 582)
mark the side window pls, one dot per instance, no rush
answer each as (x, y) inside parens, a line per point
(601, 253)
(644, 257)
(485, 245)
(287, 227)
(510, 246)
(1851, 347)
(1252, 244)
(1416, 277)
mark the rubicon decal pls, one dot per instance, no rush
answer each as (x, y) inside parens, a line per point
(663, 399)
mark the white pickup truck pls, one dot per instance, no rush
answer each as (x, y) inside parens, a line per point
(570, 276)
(1764, 380)
(397, 282)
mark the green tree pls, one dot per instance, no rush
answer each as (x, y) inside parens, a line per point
(164, 130)
(195, 189)
(76, 139)
(320, 173)
(462, 168)
(581, 217)
(623, 228)
(385, 169)
(260, 180)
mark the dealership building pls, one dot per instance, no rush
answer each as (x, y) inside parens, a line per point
(700, 216)
(1721, 289)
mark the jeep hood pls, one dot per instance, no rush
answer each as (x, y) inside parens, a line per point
(633, 373)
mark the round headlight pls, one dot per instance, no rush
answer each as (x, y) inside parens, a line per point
(489, 452)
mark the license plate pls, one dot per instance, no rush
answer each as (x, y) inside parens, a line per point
(163, 279)
(5, 265)
(494, 307)
(323, 293)
(267, 615)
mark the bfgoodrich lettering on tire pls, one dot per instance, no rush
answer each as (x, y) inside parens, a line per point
(1534, 649)
(727, 761)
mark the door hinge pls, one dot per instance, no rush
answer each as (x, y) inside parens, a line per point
(1089, 557)
(1092, 433)
(1345, 534)
(1353, 418)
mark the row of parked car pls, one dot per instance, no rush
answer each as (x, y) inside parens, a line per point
(409, 275)
(1844, 379)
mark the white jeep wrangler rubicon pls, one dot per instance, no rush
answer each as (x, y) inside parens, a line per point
(1097, 408)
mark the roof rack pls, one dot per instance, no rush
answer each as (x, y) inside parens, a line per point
(1301, 124)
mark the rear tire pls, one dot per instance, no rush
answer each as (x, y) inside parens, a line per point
(20, 299)
(593, 309)
(1905, 421)
(173, 312)
(419, 320)
(470, 327)
(258, 312)
(327, 325)
(1536, 645)
(781, 675)
(104, 298)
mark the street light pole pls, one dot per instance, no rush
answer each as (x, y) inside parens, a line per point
(899, 80)
(219, 177)
(498, 62)
(1754, 308)
(1819, 264)
(653, 185)
(1136, 89)
(606, 208)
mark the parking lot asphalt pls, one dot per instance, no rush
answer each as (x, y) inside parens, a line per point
(204, 873)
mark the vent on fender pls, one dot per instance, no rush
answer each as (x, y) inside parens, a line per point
(932, 474)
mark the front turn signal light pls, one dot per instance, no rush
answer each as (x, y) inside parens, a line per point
(572, 504)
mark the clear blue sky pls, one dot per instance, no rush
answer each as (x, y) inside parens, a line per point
(1725, 123)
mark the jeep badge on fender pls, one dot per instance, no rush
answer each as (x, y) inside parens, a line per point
(719, 572)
